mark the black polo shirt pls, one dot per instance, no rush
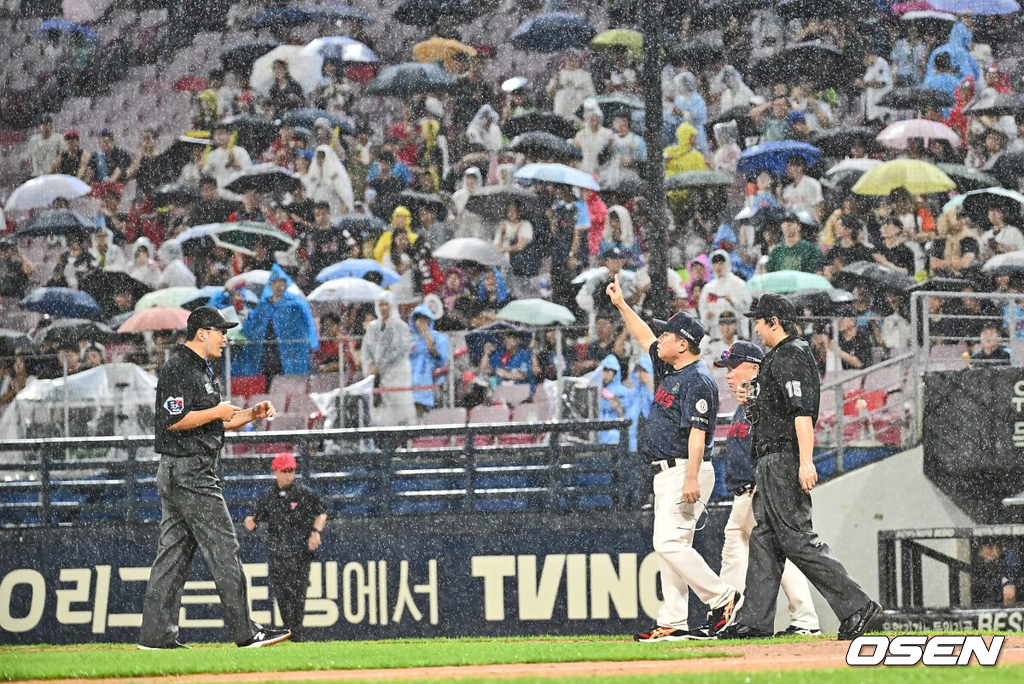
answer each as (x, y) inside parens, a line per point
(787, 386)
(289, 514)
(187, 384)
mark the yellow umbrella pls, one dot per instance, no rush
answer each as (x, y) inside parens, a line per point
(440, 50)
(918, 177)
(634, 40)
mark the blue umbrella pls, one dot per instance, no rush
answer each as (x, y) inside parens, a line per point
(979, 7)
(64, 27)
(290, 16)
(430, 12)
(335, 11)
(306, 118)
(553, 31)
(357, 268)
(558, 173)
(773, 155)
(62, 302)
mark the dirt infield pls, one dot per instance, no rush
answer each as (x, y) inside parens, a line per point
(752, 657)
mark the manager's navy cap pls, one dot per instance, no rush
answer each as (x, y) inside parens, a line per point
(208, 318)
(683, 324)
(772, 305)
(741, 352)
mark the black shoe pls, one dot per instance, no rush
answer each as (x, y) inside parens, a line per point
(723, 616)
(793, 630)
(738, 631)
(858, 623)
(265, 637)
(700, 634)
(174, 645)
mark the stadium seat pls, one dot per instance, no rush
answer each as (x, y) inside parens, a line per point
(513, 395)
(322, 382)
(447, 416)
(289, 385)
(247, 386)
(301, 405)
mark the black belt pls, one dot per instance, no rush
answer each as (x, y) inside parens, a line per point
(740, 491)
(762, 450)
(666, 463)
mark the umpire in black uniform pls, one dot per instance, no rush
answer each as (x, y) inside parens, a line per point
(295, 517)
(783, 407)
(190, 424)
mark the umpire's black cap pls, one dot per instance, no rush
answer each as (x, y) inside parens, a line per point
(207, 318)
(683, 324)
(772, 305)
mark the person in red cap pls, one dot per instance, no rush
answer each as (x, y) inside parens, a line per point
(295, 518)
(69, 161)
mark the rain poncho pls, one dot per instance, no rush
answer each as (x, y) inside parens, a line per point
(626, 241)
(713, 300)
(735, 93)
(423, 363)
(957, 47)
(175, 272)
(150, 272)
(294, 330)
(465, 223)
(627, 398)
(480, 133)
(683, 156)
(386, 345)
(644, 396)
(725, 233)
(383, 247)
(329, 182)
(692, 106)
(727, 152)
(501, 291)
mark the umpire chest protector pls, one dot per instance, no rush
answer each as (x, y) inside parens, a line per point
(787, 386)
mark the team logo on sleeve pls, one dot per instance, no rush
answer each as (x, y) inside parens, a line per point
(175, 405)
(702, 406)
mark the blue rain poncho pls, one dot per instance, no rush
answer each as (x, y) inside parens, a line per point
(294, 330)
(424, 363)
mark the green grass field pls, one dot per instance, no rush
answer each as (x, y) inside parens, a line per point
(106, 660)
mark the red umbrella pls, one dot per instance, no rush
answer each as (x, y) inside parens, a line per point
(156, 318)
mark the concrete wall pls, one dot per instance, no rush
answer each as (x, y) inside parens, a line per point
(891, 494)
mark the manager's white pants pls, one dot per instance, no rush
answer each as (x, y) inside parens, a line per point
(735, 552)
(682, 568)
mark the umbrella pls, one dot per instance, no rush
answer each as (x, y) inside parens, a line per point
(169, 297)
(627, 38)
(773, 155)
(536, 312)
(305, 67)
(267, 177)
(169, 163)
(40, 192)
(931, 22)
(626, 183)
(103, 285)
(1008, 262)
(13, 340)
(745, 126)
(358, 268)
(787, 281)
(347, 290)
(403, 80)
(415, 201)
(201, 296)
(255, 133)
(470, 249)
(548, 122)
(306, 118)
(280, 18)
(698, 179)
(1000, 104)
(873, 275)
(978, 7)
(335, 11)
(696, 55)
(240, 58)
(58, 222)
(918, 177)
(243, 237)
(175, 193)
(836, 142)
(977, 203)
(815, 9)
(823, 64)
(430, 12)
(844, 175)
(1009, 168)
(557, 173)
(597, 272)
(917, 99)
(74, 329)
(966, 178)
(545, 146)
(63, 26)
(360, 225)
(440, 50)
(491, 202)
(155, 318)
(615, 105)
(341, 49)
(822, 301)
(552, 32)
(256, 280)
(62, 302)
(896, 135)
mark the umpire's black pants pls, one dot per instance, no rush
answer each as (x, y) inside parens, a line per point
(289, 575)
(782, 512)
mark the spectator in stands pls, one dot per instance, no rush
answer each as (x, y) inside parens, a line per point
(619, 233)
(227, 159)
(210, 208)
(69, 160)
(794, 253)
(385, 355)
(430, 353)
(1000, 237)
(895, 330)
(547, 364)
(145, 168)
(491, 291)
(108, 256)
(511, 363)
(803, 193)
(15, 270)
(43, 147)
(110, 216)
(225, 94)
(108, 164)
(326, 358)
(73, 265)
(771, 119)
(173, 271)
(514, 238)
(387, 179)
(570, 86)
(714, 346)
(251, 209)
(594, 139)
(285, 93)
(854, 345)
(609, 341)
(992, 351)
(615, 401)
(592, 296)
(725, 292)
(466, 223)
(92, 357)
(207, 113)
(956, 249)
(995, 574)
(892, 253)
(849, 246)
(13, 376)
(143, 267)
(192, 172)
(328, 181)
(433, 231)
(325, 245)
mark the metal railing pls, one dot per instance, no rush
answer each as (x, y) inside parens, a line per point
(927, 338)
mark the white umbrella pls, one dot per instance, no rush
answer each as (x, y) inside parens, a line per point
(40, 192)
(306, 67)
(558, 173)
(470, 249)
(864, 164)
(256, 280)
(347, 290)
(341, 48)
(599, 272)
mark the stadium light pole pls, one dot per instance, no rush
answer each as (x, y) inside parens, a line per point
(654, 169)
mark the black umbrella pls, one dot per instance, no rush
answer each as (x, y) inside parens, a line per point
(968, 179)
(816, 9)
(1009, 169)
(280, 18)
(825, 302)
(931, 23)
(842, 182)
(430, 12)
(541, 145)
(170, 162)
(552, 32)
(872, 275)
(823, 64)
(698, 179)
(240, 58)
(74, 329)
(491, 202)
(255, 133)
(745, 126)
(413, 78)
(175, 193)
(917, 99)
(1001, 104)
(306, 118)
(338, 12)
(977, 204)
(836, 142)
(13, 340)
(695, 55)
(269, 178)
(626, 184)
(58, 222)
(360, 225)
(717, 13)
(549, 122)
(416, 200)
(103, 285)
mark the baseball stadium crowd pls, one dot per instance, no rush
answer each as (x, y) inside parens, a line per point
(443, 198)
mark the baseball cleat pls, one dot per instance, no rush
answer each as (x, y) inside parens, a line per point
(725, 615)
(265, 637)
(801, 631)
(859, 623)
(738, 631)
(659, 633)
(700, 634)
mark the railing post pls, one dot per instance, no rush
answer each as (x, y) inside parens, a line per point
(887, 570)
(554, 465)
(387, 455)
(46, 513)
(469, 478)
(622, 468)
(131, 482)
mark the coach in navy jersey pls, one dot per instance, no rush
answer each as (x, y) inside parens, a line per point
(680, 437)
